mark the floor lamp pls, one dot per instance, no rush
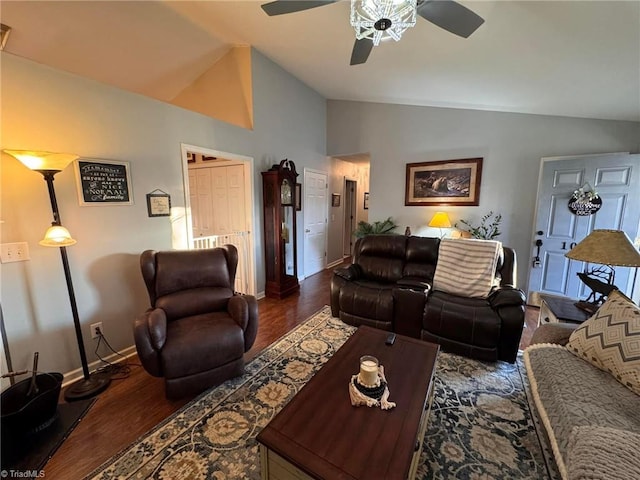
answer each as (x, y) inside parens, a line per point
(48, 164)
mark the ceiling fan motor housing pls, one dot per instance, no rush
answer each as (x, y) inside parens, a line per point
(382, 24)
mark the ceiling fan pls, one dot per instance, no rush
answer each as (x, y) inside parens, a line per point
(375, 20)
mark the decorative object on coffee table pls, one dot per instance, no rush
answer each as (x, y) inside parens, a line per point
(369, 387)
(609, 248)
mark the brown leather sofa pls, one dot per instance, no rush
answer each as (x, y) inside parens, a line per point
(197, 330)
(388, 286)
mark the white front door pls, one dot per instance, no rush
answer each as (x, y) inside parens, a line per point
(615, 178)
(315, 221)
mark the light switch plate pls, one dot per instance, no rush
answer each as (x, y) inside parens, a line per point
(14, 252)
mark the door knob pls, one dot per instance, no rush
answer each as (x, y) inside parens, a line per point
(307, 231)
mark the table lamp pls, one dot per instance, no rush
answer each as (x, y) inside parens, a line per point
(608, 248)
(440, 220)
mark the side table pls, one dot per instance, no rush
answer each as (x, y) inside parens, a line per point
(560, 309)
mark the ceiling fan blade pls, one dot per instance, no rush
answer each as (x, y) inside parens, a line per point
(280, 7)
(451, 16)
(361, 50)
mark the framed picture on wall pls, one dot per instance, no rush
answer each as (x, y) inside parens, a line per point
(335, 199)
(366, 200)
(103, 182)
(158, 204)
(445, 182)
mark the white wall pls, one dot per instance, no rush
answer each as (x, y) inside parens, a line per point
(511, 144)
(46, 109)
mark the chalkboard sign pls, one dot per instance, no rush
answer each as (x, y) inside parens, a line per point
(103, 182)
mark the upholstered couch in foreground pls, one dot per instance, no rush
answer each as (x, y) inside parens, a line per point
(587, 393)
(389, 286)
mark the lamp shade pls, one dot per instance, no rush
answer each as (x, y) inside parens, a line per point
(43, 160)
(607, 247)
(57, 236)
(440, 220)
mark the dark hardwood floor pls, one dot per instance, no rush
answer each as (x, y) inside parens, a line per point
(132, 406)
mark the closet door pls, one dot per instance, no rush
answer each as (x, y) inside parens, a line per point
(220, 204)
(236, 196)
(202, 220)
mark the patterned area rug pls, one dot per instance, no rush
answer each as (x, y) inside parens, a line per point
(480, 428)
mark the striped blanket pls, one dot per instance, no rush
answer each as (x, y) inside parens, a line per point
(466, 267)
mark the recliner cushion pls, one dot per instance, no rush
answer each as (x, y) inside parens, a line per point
(196, 301)
(367, 299)
(381, 257)
(421, 257)
(201, 342)
(467, 320)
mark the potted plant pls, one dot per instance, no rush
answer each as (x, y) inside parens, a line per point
(379, 227)
(488, 229)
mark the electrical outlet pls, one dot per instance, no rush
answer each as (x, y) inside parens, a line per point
(96, 330)
(14, 252)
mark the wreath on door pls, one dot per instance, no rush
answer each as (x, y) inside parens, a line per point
(585, 201)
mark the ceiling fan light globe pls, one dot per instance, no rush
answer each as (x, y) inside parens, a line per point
(382, 19)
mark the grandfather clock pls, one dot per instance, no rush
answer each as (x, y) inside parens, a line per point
(280, 249)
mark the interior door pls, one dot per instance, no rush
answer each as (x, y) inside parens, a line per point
(616, 178)
(315, 221)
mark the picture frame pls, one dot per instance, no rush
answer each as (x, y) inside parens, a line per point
(335, 199)
(444, 182)
(298, 197)
(366, 200)
(158, 204)
(103, 182)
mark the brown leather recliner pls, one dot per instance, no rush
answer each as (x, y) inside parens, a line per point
(197, 329)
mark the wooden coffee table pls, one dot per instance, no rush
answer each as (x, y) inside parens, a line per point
(320, 435)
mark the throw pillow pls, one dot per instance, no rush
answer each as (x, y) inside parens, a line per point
(610, 340)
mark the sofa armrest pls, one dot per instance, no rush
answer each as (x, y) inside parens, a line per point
(350, 273)
(414, 283)
(506, 296)
(244, 311)
(558, 333)
(150, 334)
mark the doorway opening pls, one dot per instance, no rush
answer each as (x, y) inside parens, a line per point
(219, 205)
(350, 213)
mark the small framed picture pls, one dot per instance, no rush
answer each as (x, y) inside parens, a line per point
(158, 204)
(298, 196)
(366, 200)
(335, 199)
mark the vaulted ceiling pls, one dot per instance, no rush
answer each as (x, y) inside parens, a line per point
(569, 58)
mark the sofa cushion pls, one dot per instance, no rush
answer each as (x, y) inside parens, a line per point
(602, 453)
(467, 267)
(610, 340)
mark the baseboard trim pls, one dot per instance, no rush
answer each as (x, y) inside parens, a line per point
(334, 264)
(121, 356)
